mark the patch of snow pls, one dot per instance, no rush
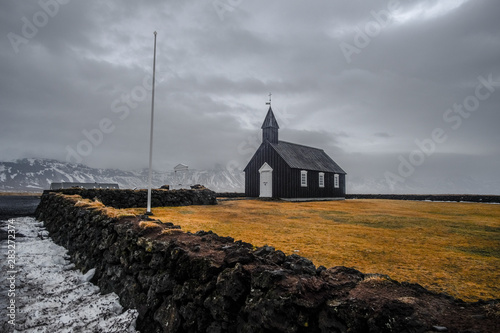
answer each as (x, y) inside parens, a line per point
(50, 295)
(34, 186)
(70, 179)
(89, 275)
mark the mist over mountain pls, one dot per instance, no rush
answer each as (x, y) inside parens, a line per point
(424, 185)
(37, 175)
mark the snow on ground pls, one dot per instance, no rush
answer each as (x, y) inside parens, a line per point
(50, 295)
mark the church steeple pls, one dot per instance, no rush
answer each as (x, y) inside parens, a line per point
(270, 127)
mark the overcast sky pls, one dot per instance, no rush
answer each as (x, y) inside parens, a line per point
(362, 80)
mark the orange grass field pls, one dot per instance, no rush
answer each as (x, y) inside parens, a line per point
(447, 247)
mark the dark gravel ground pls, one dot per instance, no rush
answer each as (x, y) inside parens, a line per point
(16, 206)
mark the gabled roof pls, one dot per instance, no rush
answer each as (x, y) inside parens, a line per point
(306, 158)
(270, 120)
(181, 167)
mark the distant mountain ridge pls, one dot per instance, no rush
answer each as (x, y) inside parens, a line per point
(35, 175)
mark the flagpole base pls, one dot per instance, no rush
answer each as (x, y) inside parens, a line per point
(149, 213)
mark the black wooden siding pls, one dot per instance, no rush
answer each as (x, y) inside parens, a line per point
(265, 153)
(286, 181)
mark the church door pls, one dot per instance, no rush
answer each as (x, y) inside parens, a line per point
(266, 181)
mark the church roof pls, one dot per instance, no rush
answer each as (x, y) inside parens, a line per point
(181, 166)
(307, 158)
(270, 120)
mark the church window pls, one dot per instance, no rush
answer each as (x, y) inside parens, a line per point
(303, 178)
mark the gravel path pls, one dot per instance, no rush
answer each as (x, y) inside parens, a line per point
(15, 206)
(40, 291)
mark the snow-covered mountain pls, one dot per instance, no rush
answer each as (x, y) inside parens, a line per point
(37, 175)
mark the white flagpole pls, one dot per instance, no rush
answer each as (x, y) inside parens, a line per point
(148, 210)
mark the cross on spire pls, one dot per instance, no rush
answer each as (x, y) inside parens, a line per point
(269, 103)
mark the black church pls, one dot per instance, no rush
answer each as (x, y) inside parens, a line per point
(280, 169)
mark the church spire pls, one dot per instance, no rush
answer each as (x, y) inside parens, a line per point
(270, 120)
(270, 126)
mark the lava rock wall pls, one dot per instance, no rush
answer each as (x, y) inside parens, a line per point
(138, 198)
(183, 282)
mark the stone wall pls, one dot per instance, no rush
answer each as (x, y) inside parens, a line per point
(183, 282)
(417, 197)
(429, 197)
(231, 195)
(138, 198)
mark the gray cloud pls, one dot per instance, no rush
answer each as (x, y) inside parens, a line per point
(214, 76)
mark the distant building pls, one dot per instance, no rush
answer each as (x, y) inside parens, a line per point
(280, 169)
(180, 167)
(65, 185)
(182, 178)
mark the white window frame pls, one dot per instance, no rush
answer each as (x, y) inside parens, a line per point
(336, 181)
(321, 179)
(303, 178)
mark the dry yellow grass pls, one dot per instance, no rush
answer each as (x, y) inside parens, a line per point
(98, 205)
(446, 247)
(146, 225)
